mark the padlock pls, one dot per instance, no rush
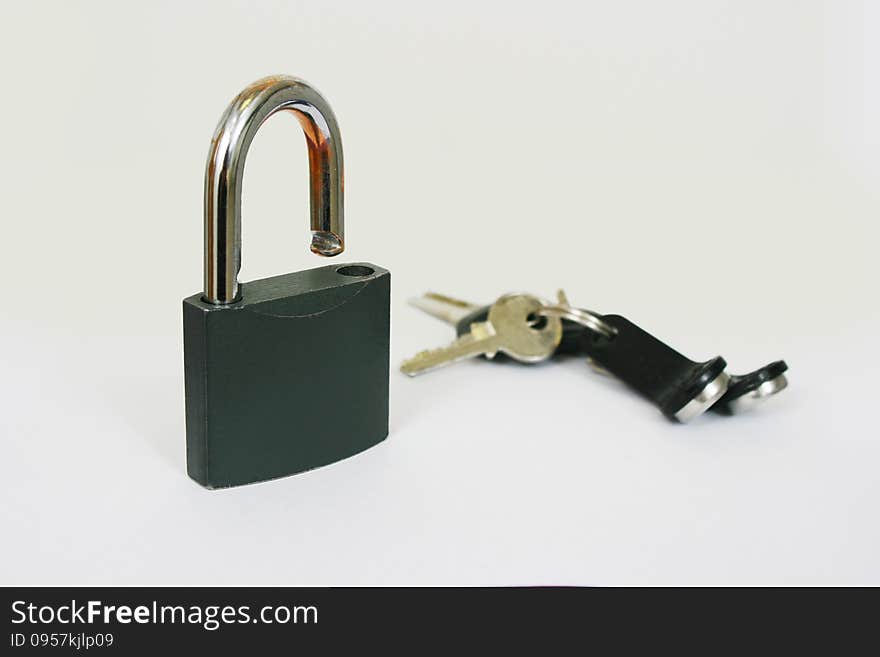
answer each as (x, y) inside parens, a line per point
(287, 373)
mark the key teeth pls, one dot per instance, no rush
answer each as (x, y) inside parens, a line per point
(430, 359)
(410, 366)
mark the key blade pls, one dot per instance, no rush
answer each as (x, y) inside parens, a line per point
(481, 340)
(448, 309)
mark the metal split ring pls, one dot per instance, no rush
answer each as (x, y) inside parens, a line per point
(586, 318)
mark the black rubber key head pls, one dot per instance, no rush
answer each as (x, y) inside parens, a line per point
(747, 389)
(681, 388)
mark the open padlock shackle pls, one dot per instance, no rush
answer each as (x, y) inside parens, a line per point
(225, 170)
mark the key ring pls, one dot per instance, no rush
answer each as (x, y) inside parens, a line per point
(586, 318)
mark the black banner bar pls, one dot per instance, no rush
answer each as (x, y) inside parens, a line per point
(245, 621)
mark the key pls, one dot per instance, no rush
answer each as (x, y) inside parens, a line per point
(743, 391)
(462, 314)
(748, 390)
(681, 388)
(507, 329)
(450, 310)
(695, 387)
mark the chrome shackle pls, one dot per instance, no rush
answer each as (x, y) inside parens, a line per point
(225, 170)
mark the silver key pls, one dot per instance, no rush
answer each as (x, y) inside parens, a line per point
(450, 310)
(508, 328)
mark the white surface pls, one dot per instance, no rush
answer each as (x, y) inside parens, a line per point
(709, 169)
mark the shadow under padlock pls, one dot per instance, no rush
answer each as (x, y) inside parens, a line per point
(286, 373)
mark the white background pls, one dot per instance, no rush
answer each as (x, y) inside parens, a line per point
(707, 168)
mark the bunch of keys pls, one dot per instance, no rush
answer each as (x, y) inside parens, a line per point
(530, 330)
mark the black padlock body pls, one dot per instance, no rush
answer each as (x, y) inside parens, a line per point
(291, 377)
(649, 366)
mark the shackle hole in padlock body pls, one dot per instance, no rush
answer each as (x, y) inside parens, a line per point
(356, 271)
